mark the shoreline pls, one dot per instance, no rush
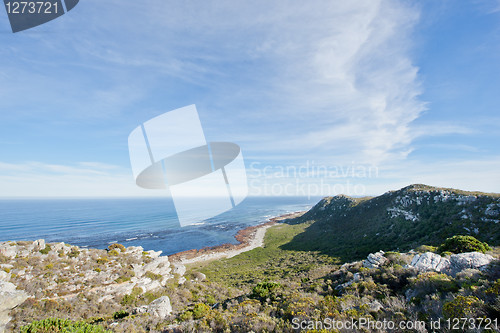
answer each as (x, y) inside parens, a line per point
(249, 238)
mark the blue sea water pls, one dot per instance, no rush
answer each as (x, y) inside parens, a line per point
(149, 222)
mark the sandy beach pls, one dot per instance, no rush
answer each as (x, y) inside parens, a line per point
(248, 238)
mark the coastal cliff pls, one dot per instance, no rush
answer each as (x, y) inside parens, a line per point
(339, 260)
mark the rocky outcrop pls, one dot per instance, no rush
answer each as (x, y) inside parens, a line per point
(455, 264)
(10, 297)
(66, 270)
(473, 260)
(8, 250)
(430, 262)
(375, 260)
(160, 307)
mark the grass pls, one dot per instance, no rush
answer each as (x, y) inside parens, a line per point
(271, 262)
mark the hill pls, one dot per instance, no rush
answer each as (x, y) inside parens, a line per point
(351, 228)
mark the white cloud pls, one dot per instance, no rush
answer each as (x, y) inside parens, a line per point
(332, 81)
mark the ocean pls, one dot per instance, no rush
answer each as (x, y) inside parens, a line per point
(149, 222)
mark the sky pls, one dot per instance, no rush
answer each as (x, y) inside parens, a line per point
(323, 97)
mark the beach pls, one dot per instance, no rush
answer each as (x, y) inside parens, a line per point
(248, 238)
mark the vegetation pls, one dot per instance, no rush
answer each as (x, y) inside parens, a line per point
(46, 250)
(307, 270)
(461, 244)
(120, 247)
(55, 325)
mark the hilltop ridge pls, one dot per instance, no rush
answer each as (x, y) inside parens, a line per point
(401, 219)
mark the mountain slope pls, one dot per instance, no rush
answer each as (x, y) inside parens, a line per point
(351, 228)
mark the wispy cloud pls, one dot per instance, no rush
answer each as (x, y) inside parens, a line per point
(80, 180)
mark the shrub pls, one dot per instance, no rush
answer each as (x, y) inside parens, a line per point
(117, 246)
(56, 325)
(426, 248)
(264, 290)
(3, 259)
(200, 310)
(462, 307)
(102, 260)
(120, 314)
(74, 253)
(153, 276)
(187, 315)
(113, 253)
(46, 250)
(461, 244)
(131, 298)
(122, 279)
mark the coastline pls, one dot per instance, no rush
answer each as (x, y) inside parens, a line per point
(248, 238)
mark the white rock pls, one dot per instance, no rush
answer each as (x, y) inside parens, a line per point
(375, 260)
(160, 307)
(178, 269)
(8, 250)
(58, 246)
(9, 299)
(147, 284)
(39, 245)
(135, 249)
(474, 260)
(4, 276)
(199, 276)
(429, 261)
(140, 309)
(375, 306)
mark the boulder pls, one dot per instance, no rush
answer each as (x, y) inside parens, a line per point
(9, 299)
(375, 306)
(160, 307)
(4, 276)
(199, 276)
(56, 247)
(429, 261)
(39, 245)
(472, 260)
(375, 260)
(135, 249)
(8, 250)
(159, 265)
(178, 269)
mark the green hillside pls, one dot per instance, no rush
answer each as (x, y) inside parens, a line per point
(351, 228)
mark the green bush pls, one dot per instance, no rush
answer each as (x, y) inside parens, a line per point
(56, 325)
(102, 260)
(264, 290)
(120, 314)
(46, 250)
(185, 316)
(153, 276)
(200, 310)
(461, 244)
(462, 307)
(426, 248)
(117, 246)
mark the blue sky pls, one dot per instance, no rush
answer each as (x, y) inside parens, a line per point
(411, 89)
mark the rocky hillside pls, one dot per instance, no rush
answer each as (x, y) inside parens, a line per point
(50, 278)
(403, 219)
